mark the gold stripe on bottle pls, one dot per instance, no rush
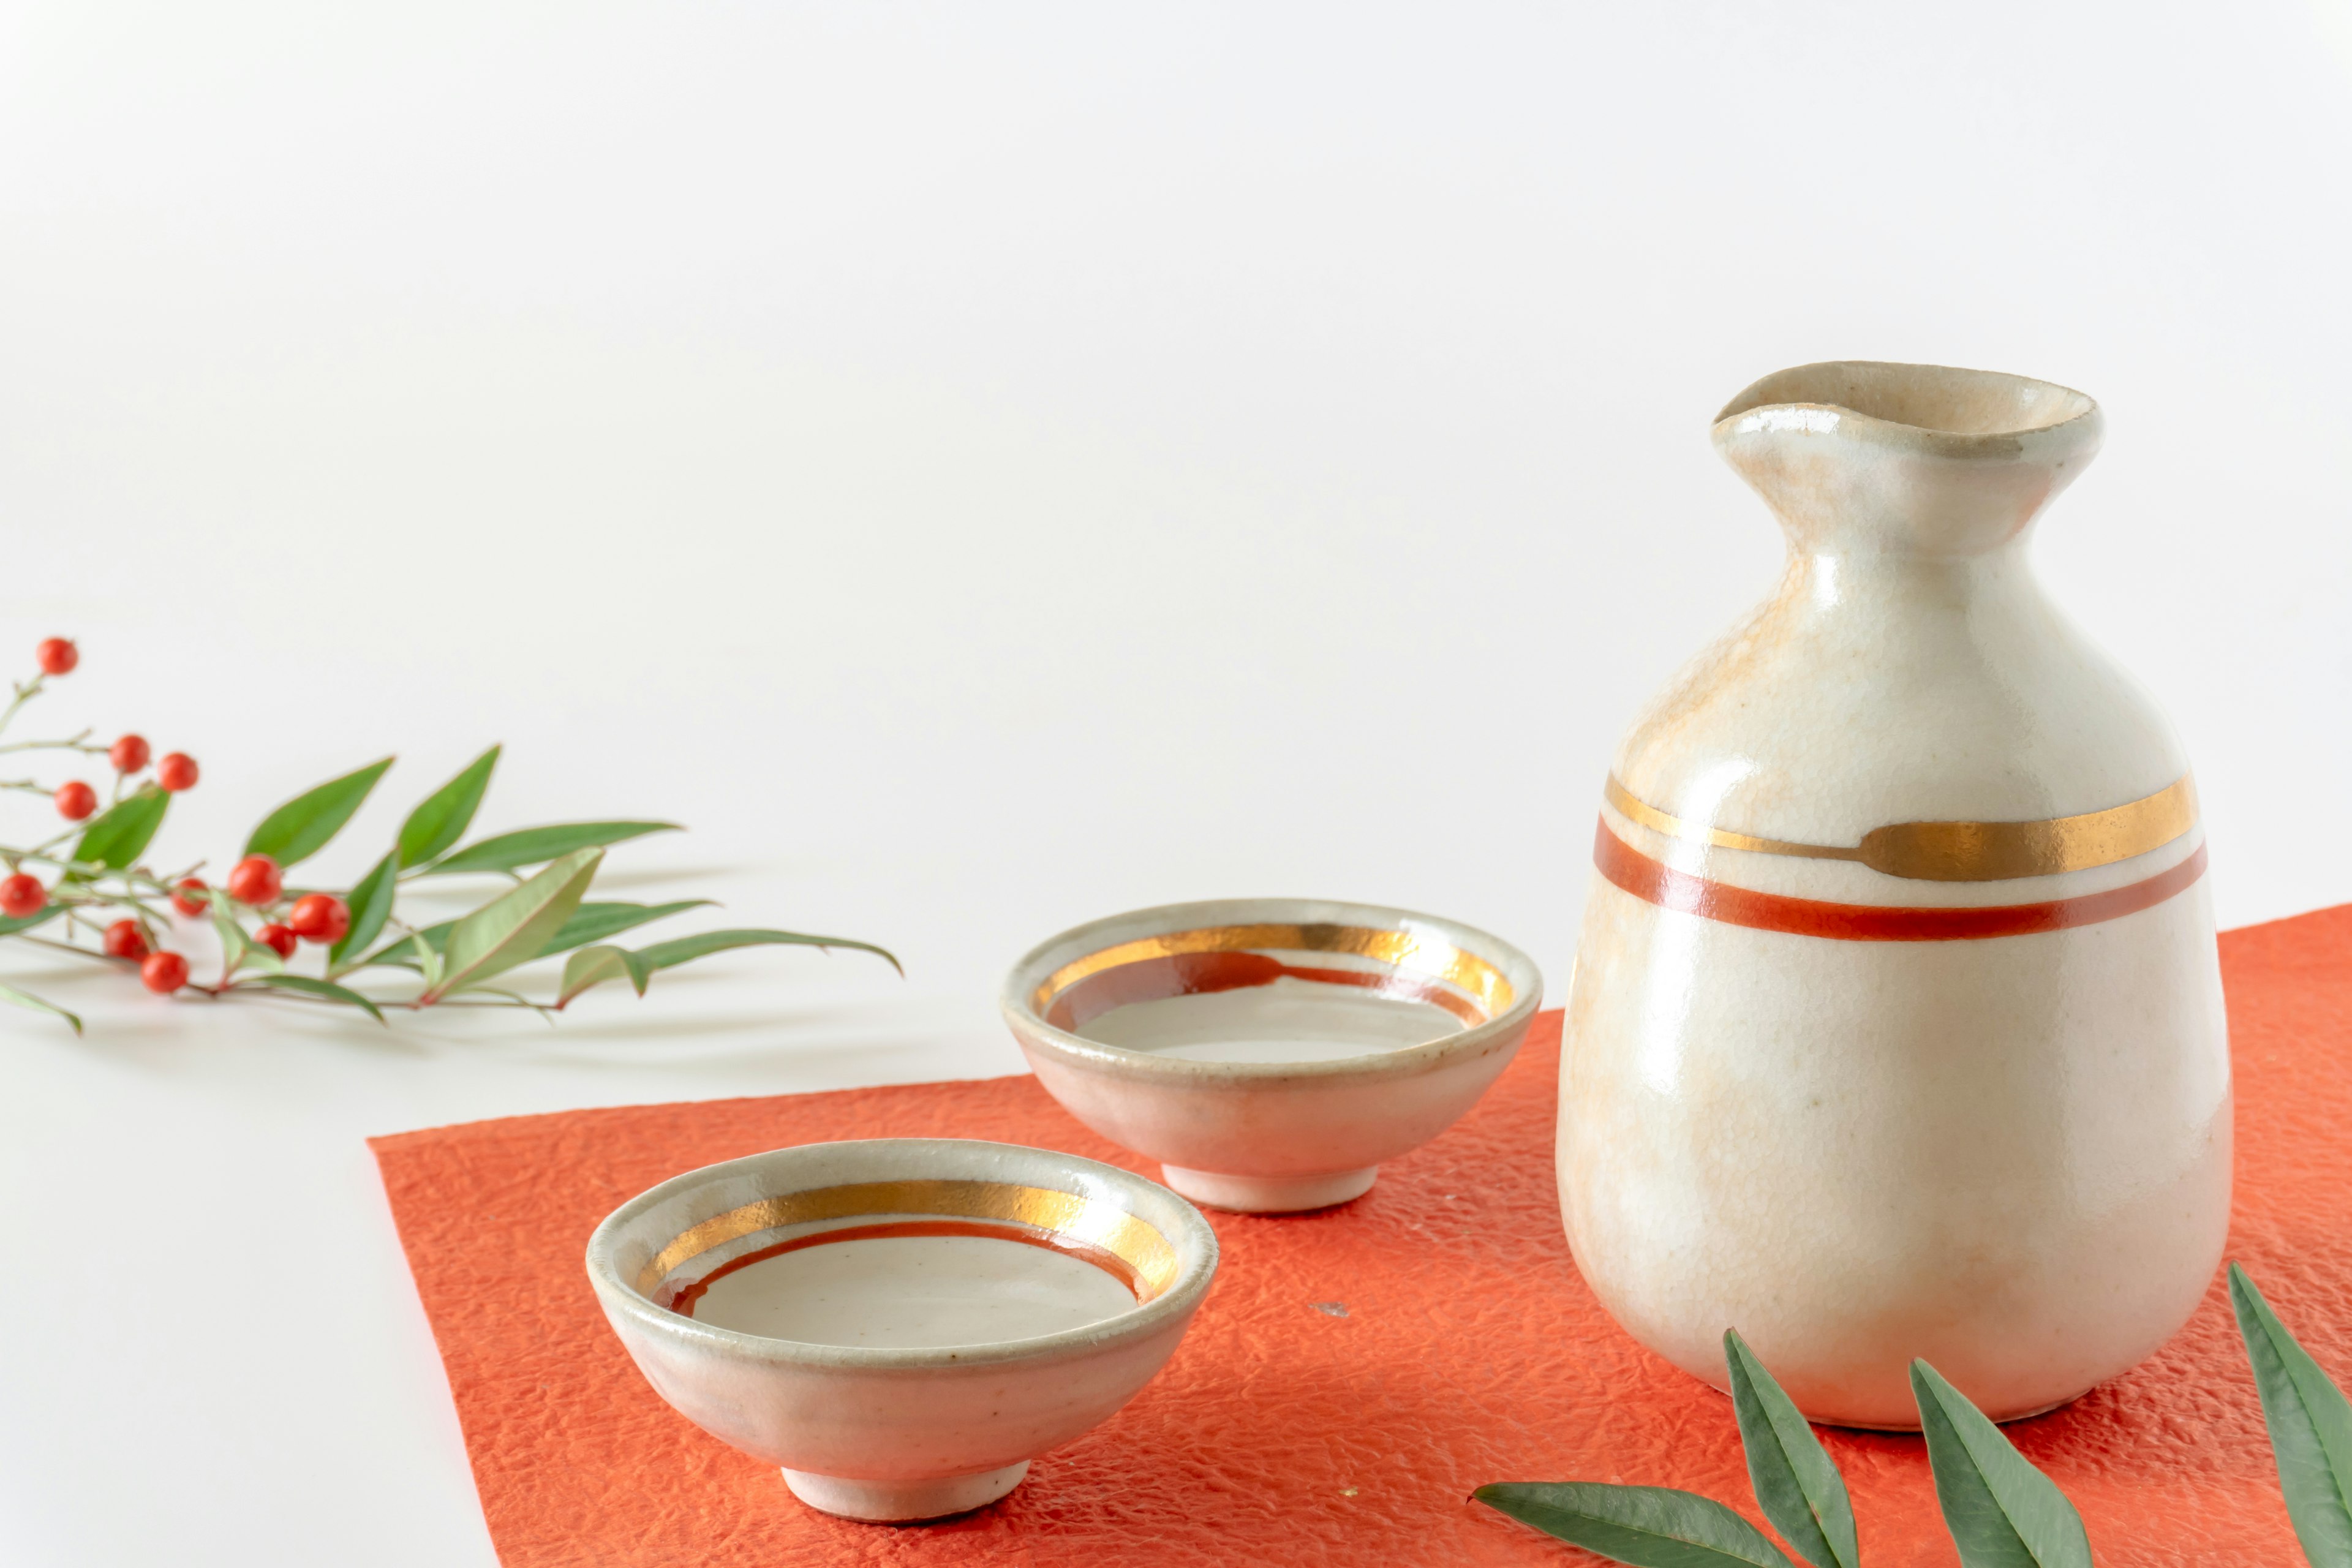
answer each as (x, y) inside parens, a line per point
(1966, 851)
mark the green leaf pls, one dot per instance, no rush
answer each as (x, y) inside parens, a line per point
(531, 845)
(2310, 1425)
(371, 906)
(2000, 1510)
(432, 963)
(326, 988)
(302, 828)
(1650, 1527)
(9, 927)
(590, 922)
(1796, 1484)
(595, 965)
(640, 965)
(594, 922)
(670, 954)
(442, 817)
(118, 836)
(402, 953)
(26, 999)
(512, 928)
(235, 943)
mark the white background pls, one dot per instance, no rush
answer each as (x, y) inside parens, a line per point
(985, 467)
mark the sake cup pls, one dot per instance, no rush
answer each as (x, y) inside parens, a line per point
(1270, 1053)
(901, 1324)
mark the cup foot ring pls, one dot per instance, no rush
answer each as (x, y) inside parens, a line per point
(1270, 1194)
(903, 1502)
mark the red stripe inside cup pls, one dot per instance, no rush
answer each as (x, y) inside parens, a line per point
(1195, 974)
(683, 1301)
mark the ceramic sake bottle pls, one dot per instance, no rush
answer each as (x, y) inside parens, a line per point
(1896, 1025)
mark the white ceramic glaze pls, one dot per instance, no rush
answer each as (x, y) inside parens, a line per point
(1271, 1052)
(904, 1292)
(937, 1367)
(2007, 1153)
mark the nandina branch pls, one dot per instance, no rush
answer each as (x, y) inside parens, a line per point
(262, 922)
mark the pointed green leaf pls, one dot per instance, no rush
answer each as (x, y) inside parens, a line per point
(589, 923)
(326, 988)
(610, 963)
(404, 951)
(2310, 1427)
(1796, 1484)
(670, 954)
(432, 963)
(118, 836)
(512, 928)
(10, 927)
(235, 943)
(595, 965)
(594, 922)
(1651, 1527)
(26, 999)
(442, 817)
(2000, 1510)
(302, 828)
(371, 906)
(531, 846)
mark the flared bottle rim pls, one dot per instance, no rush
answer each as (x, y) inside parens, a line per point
(1954, 410)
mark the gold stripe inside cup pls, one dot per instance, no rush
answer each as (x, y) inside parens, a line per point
(1415, 952)
(1068, 1215)
(1965, 851)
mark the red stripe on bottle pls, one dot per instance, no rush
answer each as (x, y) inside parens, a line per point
(1655, 882)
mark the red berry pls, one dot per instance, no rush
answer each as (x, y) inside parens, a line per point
(177, 771)
(320, 917)
(22, 895)
(128, 755)
(163, 972)
(74, 800)
(189, 897)
(125, 939)
(277, 938)
(57, 655)
(257, 880)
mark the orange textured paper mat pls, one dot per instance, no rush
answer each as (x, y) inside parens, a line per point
(1284, 1431)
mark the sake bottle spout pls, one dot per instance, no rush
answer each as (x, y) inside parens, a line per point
(1858, 457)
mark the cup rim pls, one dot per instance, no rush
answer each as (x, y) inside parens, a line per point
(1197, 1262)
(1022, 979)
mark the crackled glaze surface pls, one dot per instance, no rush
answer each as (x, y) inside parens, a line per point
(1974, 1116)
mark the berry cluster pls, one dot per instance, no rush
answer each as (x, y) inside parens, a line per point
(136, 938)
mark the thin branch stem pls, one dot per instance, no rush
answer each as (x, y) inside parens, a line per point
(81, 742)
(70, 947)
(25, 692)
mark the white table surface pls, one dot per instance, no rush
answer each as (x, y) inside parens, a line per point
(982, 468)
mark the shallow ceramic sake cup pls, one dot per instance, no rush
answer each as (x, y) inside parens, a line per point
(915, 1266)
(1270, 1053)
